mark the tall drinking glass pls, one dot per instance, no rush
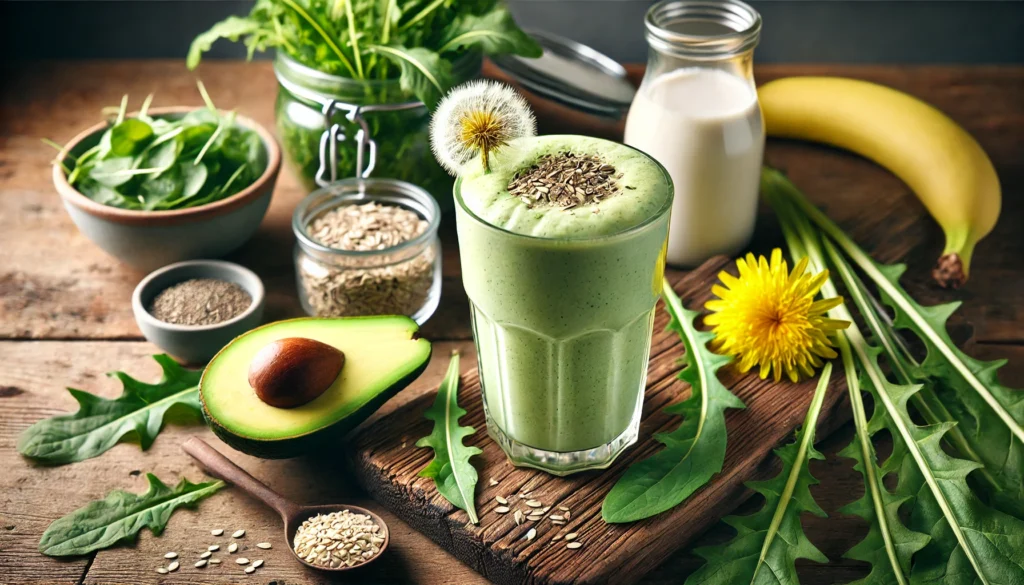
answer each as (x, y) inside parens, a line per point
(563, 302)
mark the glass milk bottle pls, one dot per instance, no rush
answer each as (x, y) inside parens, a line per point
(696, 112)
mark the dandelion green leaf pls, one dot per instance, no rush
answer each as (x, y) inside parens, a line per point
(965, 533)
(101, 423)
(120, 516)
(768, 542)
(451, 470)
(695, 451)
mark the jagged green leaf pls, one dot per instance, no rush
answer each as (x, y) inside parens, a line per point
(966, 535)
(451, 470)
(768, 542)
(944, 360)
(695, 451)
(101, 423)
(979, 434)
(120, 516)
(889, 544)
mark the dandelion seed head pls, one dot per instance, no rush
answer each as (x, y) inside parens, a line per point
(477, 119)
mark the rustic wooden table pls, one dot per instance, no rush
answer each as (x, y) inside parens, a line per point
(65, 316)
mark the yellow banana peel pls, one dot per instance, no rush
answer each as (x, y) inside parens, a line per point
(943, 164)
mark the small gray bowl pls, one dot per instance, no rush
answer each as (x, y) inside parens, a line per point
(196, 344)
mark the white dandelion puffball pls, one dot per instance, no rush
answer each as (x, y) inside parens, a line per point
(477, 119)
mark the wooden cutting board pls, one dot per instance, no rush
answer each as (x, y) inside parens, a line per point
(386, 462)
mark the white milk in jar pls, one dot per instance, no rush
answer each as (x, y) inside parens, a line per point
(704, 126)
(697, 113)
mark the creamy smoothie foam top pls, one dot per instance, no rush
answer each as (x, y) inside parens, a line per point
(642, 190)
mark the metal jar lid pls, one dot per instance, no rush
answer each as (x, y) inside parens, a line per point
(573, 75)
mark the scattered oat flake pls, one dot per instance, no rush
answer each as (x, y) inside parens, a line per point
(534, 504)
(502, 509)
(257, 563)
(250, 570)
(501, 500)
(574, 545)
(242, 561)
(232, 547)
(571, 536)
(238, 534)
(201, 564)
(173, 566)
(217, 531)
(206, 555)
(171, 555)
(264, 545)
(213, 547)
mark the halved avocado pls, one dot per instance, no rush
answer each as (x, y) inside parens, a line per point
(382, 356)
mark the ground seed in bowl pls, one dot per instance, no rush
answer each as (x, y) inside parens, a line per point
(338, 539)
(378, 284)
(200, 301)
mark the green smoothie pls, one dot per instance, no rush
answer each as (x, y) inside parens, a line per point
(563, 294)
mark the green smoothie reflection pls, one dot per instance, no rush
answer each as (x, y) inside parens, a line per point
(563, 302)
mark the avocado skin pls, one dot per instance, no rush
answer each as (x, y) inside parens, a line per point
(304, 444)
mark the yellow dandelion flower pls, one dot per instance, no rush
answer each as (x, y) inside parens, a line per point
(768, 317)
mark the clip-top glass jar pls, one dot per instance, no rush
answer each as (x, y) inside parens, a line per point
(402, 134)
(397, 276)
(697, 113)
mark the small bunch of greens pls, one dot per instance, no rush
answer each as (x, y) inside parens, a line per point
(451, 470)
(156, 164)
(101, 423)
(120, 516)
(956, 514)
(415, 41)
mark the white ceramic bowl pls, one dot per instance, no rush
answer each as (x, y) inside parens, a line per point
(149, 239)
(196, 344)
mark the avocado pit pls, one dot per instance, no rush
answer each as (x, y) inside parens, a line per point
(293, 371)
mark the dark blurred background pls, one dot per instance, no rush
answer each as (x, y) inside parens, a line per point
(854, 31)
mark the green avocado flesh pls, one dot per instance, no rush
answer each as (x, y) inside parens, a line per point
(381, 357)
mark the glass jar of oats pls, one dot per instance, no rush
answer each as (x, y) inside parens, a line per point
(368, 247)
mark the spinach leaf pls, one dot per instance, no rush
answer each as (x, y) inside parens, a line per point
(695, 451)
(453, 474)
(101, 423)
(120, 516)
(768, 542)
(140, 163)
(129, 136)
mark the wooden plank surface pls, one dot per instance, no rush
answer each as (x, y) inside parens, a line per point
(387, 465)
(54, 285)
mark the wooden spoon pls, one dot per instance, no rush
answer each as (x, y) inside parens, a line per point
(293, 514)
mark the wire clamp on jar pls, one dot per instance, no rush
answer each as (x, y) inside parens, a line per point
(366, 146)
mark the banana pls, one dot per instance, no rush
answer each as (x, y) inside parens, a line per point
(935, 157)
